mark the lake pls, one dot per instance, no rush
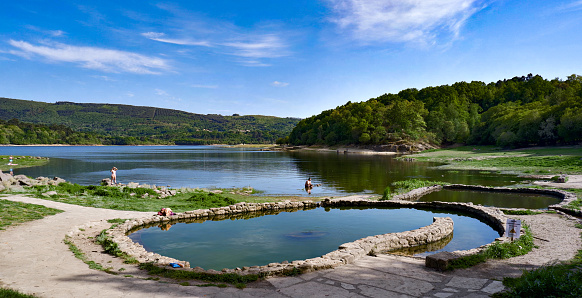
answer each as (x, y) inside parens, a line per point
(274, 173)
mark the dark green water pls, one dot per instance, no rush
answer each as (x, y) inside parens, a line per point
(497, 199)
(299, 235)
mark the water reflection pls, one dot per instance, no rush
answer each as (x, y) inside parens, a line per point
(275, 173)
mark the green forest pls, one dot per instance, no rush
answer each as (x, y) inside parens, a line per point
(30, 122)
(522, 111)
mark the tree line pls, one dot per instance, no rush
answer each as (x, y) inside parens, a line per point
(114, 124)
(15, 132)
(522, 111)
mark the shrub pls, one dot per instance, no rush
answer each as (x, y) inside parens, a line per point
(387, 195)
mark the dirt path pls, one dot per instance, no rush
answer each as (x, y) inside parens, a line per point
(35, 260)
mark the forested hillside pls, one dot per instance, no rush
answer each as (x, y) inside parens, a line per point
(522, 111)
(21, 133)
(125, 124)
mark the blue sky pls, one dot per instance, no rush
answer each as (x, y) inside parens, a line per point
(274, 57)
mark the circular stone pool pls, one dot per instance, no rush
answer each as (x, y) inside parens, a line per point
(289, 236)
(493, 198)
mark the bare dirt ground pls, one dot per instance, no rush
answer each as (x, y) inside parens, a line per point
(574, 181)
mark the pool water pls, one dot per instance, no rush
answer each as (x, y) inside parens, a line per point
(299, 235)
(493, 198)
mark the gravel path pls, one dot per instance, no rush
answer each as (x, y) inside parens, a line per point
(35, 260)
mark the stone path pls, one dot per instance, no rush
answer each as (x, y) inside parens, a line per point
(34, 260)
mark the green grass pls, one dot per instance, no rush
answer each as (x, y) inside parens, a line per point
(237, 280)
(557, 280)
(404, 186)
(112, 248)
(521, 212)
(548, 160)
(8, 293)
(14, 213)
(21, 162)
(497, 251)
(126, 198)
(81, 256)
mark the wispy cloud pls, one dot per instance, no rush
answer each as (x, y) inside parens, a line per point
(279, 84)
(402, 20)
(252, 45)
(52, 33)
(161, 92)
(105, 78)
(261, 46)
(572, 6)
(204, 86)
(92, 57)
(159, 36)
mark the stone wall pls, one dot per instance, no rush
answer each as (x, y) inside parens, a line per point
(345, 254)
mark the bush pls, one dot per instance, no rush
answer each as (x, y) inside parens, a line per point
(387, 195)
(561, 280)
(203, 200)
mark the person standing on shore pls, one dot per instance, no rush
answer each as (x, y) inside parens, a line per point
(114, 175)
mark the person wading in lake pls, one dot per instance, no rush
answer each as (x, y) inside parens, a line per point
(308, 185)
(114, 175)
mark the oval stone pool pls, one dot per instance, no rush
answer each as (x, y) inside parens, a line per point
(493, 198)
(299, 235)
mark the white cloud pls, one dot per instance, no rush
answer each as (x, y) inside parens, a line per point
(161, 92)
(193, 29)
(279, 84)
(402, 20)
(253, 63)
(92, 57)
(159, 36)
(572, 6)
(258, 46)
(53, 33)
(56, 33)
(105, 78)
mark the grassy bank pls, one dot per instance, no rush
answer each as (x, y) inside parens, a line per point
(146, 199)
(14, 213)
(21, 162)
(538, 161)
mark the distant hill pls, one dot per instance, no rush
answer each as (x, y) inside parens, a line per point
(149, 124)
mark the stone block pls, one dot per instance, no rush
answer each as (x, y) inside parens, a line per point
(440, 260)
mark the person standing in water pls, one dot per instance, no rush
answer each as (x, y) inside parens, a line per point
(114, 175)
(308, 185)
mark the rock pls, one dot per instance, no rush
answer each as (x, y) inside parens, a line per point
(5, 177)
(440, 260)
(58, 180)
(50, 193)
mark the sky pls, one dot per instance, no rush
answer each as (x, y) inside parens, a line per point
(275, 57)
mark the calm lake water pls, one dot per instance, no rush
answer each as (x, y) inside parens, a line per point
(298, 235)
(275, 173)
